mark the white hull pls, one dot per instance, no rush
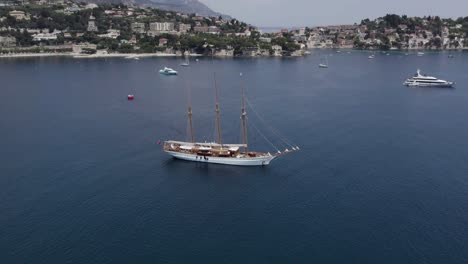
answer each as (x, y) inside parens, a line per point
(440, 85)
(256, 161)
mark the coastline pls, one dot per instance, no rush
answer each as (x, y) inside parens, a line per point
(149, 55)
(91, 56)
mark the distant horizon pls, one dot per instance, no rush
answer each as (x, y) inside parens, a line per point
(286, 14)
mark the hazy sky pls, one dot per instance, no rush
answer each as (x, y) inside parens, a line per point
(287, 13)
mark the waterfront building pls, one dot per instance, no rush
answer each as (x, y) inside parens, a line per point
(78, 48)
(229, 52)
(250, 52)
(277, 50)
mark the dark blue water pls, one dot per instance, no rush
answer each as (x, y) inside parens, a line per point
(382, 175)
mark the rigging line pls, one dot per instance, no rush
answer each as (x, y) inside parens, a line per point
(263, 120)
(283, 143)
(275, 131)
(264, 137)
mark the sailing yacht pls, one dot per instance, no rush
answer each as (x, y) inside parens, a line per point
(324, 65)
(186, 63)
(220, 152)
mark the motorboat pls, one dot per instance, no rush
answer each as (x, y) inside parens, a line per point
(168, 71)
(421, 80)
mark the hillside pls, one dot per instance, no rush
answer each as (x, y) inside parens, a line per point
(183, 6)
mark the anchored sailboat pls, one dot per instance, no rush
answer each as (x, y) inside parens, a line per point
(219, 152)
(186, 63)
(324, 64)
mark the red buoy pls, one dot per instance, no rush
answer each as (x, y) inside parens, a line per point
(130, 97)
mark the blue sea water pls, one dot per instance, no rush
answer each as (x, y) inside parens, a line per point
(382, 175)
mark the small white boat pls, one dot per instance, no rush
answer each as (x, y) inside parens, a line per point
(419, 54)
(168, 71)
(186, 63)
(324, 64)
(371, 57)
(132, 57)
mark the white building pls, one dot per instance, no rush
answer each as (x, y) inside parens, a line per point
(91, 6)
(302, 31)
(92, 24)
(71, 9)
(45, 36)
(111, 33)
(184, 28)
(277, 50)
(19, 15)
(161, 26)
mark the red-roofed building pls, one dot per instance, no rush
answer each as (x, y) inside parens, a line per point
(162, 42)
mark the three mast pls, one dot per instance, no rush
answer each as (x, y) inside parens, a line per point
(218, 117)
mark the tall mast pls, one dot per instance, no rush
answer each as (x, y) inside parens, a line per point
(244, 117)
(218, 121)
(189, 114)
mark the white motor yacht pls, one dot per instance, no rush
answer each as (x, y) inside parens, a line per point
(168, 71)
(427, 81)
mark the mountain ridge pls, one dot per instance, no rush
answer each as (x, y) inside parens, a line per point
(182, 6)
